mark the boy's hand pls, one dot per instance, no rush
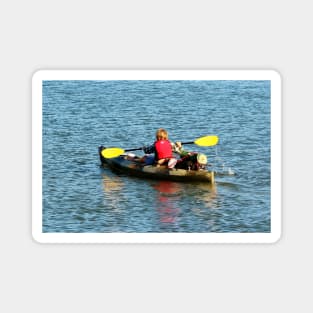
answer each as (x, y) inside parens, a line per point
(178, 144)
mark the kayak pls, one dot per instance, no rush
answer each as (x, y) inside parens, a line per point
(126, 165)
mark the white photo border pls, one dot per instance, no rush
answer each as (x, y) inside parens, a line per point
(276, 164)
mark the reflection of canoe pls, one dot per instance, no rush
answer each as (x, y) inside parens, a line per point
(129, 167)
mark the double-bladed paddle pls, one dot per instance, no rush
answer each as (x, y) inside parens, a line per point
(205, 141)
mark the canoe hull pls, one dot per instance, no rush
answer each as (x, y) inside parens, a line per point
(123, 165)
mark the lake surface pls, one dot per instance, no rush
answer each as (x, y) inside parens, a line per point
(80, 196)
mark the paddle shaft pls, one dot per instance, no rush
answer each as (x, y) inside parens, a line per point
(202, 141)
(183, 143)
(135, 149)
(188, 143)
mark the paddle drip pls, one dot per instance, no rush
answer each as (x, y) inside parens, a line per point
(219, 166)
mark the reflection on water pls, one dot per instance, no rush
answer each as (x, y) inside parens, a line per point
(167, 196)
(181, 205)
(207, 205)
(111, 185)
(165, 206)
(112, 188)
(207, 195)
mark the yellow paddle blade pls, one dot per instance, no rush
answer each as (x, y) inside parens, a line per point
(110, 153)
(207, 141)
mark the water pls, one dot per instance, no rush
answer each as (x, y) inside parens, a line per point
(79, 196)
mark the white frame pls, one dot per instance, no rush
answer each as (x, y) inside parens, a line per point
(276, 125)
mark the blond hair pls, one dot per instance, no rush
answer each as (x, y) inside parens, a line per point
(161, 133)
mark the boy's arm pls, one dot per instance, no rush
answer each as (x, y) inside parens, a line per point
(178, 148)
(149, 149)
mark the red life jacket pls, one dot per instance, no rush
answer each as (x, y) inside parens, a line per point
(163, 149)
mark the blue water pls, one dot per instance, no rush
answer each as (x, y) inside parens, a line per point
(80, 196)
